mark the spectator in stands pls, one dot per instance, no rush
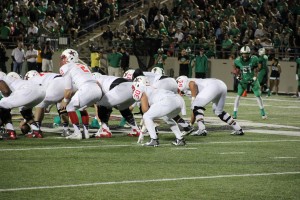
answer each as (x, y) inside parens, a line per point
(73, 28)
(47, 53)
(18, 57)
(114, 61)
(5, 31)
(33, 30)
(158, 18)
(179, 35)
(260, 31)
(3, 58)
(164, 10)
(31, 55)
(226, 46)
(152, 12)
(108, 36)
(296, 42)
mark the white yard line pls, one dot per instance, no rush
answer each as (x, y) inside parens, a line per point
(147, 181)
(284, 157)
(274, 132)
(228, 153)
(138, 145)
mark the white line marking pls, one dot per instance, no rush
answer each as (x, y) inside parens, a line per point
(146, 181)
(134, 145)
(274, 132)
(184, 148)
(284, 157)
(225, 153)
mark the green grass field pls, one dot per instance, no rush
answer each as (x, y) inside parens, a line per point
(262, 164)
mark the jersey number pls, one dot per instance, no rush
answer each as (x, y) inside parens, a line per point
(84, 68)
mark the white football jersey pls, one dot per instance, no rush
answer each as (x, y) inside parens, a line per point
(44, 78)
(202, 83)
(154, 94)
(76, 73)
(14, 83)
(105, 82)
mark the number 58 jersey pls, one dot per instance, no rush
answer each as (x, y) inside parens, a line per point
(76, 73)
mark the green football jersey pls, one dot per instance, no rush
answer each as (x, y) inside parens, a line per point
(263, 60)
(246, 67)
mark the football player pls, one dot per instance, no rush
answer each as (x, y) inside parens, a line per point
(204, 91)
(263, 70)
(158, 103)
(116, 93)
(246, 67)
(20, 94)
(53, 85)
(87, 94)
(165, 82)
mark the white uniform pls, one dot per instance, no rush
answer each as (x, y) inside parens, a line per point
(210, 90)
(88, 93)
(24, 94)
(54, 85)
(161, 81)
(163, 104)
(119, 96)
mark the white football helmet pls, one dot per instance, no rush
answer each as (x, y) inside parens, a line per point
(97, 75)
(158, 71)
(140, 81)
(128, 74)
(160, 50)
(30, 74)
(14, 75)
(70, 55)
(245, 49)
(261, 51)
(2, 74)
(182, 82)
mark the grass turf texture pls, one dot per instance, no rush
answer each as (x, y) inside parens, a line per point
(218, 166)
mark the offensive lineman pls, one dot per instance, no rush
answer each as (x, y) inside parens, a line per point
(203, 92)
(158, 103)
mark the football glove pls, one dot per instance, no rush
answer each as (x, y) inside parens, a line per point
(252, 80)
(238, 78)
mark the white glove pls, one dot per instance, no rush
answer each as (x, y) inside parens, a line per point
(141, 138)
(297, 78)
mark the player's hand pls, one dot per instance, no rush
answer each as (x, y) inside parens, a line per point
(63, 105)
(141, 138)
(238, 78)
(252, 80)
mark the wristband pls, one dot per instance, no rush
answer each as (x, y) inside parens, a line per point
(66, 100)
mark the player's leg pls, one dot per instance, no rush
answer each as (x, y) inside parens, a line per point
(5, 118)
(103, 115)
(257, 93)
(127, 114)
(34, 125)
(241, 89)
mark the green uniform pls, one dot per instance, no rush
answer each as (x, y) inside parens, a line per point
(114, 59)
(298, 70)
(263, 72)
(160, 60)
(247, 74)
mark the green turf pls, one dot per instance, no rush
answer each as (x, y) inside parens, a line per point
(218, 166)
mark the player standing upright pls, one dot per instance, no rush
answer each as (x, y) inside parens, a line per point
(246, 66)
(263, 70)
(88, 93)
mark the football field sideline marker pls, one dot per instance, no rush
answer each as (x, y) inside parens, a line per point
(138, 145)
(146, 181)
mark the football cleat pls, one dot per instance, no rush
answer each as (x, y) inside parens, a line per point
(152, 143)
(66, 133)
(75, 136)
(11, 135)
(264, 117)
(85, 134)
(239, 132)
(179, 142)
(188, 130)
(35, 134)
(134, 133)
(200, 133)
(103, 133)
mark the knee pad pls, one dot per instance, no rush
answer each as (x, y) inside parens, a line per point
(198, 111)
(104, 113)
(27, 114)
(225, 117)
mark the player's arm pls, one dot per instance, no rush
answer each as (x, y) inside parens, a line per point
(194, 89)
(144, 103)
(4, 89)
